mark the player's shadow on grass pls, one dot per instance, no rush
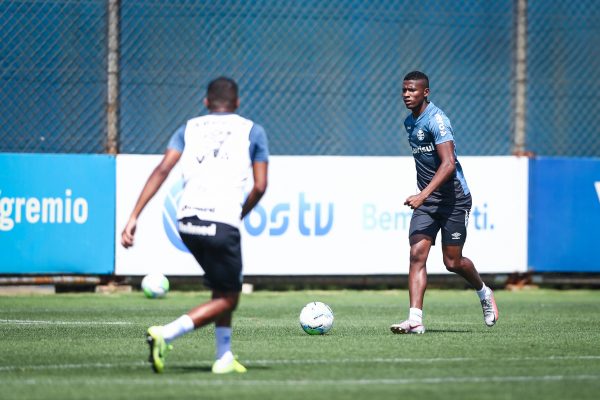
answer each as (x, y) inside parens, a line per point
(207, 368)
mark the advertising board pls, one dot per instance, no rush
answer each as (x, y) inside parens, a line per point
(332, 216)
(57, 213)
(564, 211)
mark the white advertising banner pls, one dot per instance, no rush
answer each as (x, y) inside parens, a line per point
(332, 216)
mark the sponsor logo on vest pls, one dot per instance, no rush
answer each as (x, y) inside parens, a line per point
(202, 230)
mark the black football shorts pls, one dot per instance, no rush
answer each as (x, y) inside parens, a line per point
(452, 221)
(217, 248)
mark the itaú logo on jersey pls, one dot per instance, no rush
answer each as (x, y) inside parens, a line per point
(169, 215)
(423, 149)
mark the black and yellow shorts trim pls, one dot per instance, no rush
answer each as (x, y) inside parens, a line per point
(217, 248)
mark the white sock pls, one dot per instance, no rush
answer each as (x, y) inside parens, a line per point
(483, 292)
(415, 315)
(223, 341)
(180, 326)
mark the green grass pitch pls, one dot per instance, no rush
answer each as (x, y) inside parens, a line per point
(91, 346)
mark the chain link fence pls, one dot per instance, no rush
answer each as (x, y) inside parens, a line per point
(564, 78)
(323, 78)
(52, 76)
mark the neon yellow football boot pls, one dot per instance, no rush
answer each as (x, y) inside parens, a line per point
(158, 348)
(225, 366)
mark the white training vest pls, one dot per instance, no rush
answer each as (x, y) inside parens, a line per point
(216, 165)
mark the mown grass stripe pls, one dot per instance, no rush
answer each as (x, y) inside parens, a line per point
(250, 363)
(153, 380)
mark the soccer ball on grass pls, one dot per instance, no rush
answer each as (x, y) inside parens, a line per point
(155, 285)
(316, 318)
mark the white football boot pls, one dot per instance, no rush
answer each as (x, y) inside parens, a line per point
(490, 310)
(408, 326)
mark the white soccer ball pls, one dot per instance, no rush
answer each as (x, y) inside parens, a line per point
(316, 318)
(155, 285)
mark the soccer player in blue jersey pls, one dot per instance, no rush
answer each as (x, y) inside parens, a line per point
(443, 203)
(218, 151)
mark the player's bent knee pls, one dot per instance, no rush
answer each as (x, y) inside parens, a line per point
(452, 265)
(233, 306)
(232, 302)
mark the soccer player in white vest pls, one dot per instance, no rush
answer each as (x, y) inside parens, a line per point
(218, 152)
(443, 203)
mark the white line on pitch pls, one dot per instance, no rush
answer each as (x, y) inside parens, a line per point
(419, 360)
(151, 380)
(34, 322)
(250, 363)
(8, 368)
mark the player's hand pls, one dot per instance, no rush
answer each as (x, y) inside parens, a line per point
(128, 233)
(414, 201)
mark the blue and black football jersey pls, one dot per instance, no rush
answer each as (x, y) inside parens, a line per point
(431, 128)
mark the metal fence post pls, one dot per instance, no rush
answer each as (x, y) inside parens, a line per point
(112, 103)
(520, 78)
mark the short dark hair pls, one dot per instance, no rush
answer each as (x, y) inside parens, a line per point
(222, 91)
(417, 76)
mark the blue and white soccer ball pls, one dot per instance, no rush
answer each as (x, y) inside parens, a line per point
(155, 285)
(316, 318)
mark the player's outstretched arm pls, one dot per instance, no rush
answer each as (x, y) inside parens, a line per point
(260, 173)
(152, 185)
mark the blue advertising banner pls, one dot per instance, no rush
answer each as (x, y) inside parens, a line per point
(564, 215)
(57, 214)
